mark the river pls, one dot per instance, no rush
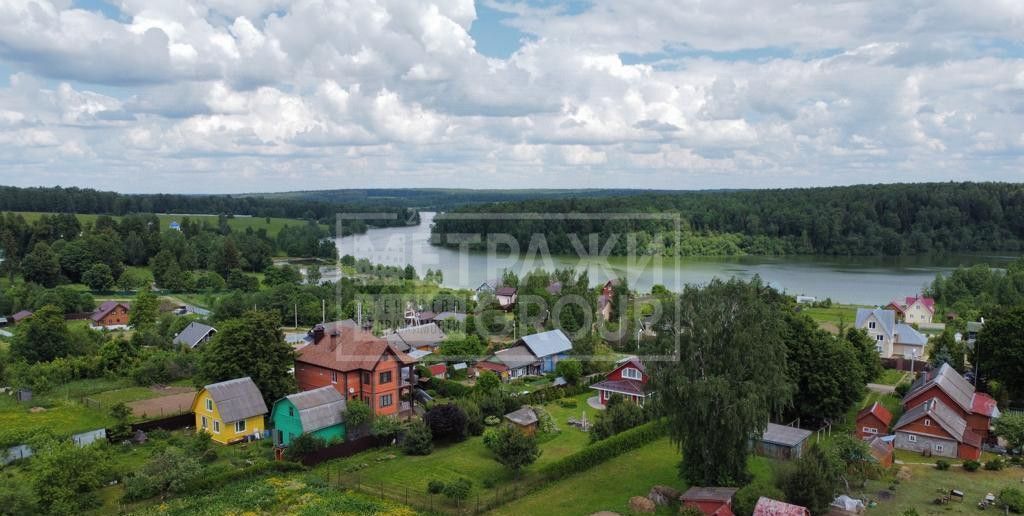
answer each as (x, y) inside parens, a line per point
(862, 280)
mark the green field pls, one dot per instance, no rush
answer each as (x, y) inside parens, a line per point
(237, 224)
(61, 417)
(833, 317)
(892, 377)
(927, 483)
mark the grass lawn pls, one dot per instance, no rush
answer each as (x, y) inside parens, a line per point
(125, 395)
(925, 485)
(835, 314)
(237, 224)
(889, 401)
(61, 417)
(892, 377)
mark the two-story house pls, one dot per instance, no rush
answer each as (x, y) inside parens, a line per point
(949, 387)
(110, 315)
(935, 428)
(914, 309)
(230, 411)
(892, 339)
(358, 364)
(628, 379)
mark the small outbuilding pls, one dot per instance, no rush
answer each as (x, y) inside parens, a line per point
(782, 442)
(525, 419)
(882, 451)
(873, 421)
(712, 501)
(195, 334)
(770, 507)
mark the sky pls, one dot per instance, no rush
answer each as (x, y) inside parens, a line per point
(229, 96)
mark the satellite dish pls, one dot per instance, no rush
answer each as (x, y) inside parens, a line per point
(351, 390)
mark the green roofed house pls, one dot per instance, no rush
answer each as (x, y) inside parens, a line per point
(318, 412)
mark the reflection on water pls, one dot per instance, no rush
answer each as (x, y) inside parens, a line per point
(859, 279)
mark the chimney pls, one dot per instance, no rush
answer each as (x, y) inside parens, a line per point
(317, 333)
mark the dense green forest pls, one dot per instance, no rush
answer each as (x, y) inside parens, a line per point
(440, 199)
(79, 200)
(895, 219)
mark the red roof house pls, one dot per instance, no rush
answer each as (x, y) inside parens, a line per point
(628, 379)
(935, 428)
(711, 501)
(438, 370)
(356, 363)
(913, 309)
(110, 314)
(944, 383)
(769, 507)
(873, 421)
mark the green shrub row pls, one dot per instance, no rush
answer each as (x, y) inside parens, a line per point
(212, 481)
(448, 388)
(549, 394)
(604, 450)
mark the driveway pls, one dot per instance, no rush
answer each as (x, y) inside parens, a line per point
(882, 388)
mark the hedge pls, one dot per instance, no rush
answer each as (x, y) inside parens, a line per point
(212, 481)
(604, 450)
(549, 394)
(448, 388)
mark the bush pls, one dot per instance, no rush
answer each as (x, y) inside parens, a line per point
(971, 465)
(474, 416)
(995, 465)
(210, 481)
(448, 389)
(492, 420)
(601, 451)
(1013, 498)
(458, 490)
(418, 440)
(942, 464)
(435, 487)
(902, 389)
(568, 403)
(746, 498)
(490, 437)
(446, 422)
(303, 445)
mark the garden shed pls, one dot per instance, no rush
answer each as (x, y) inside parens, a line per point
(782, 442)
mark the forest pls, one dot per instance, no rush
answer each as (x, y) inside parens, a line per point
(84, 200)
(440, 199)
(890, 220)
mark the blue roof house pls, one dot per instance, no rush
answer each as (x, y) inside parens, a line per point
(549, 347)
(175, 226)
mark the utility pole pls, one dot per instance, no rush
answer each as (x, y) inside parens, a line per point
(296, 312)
(323, 310)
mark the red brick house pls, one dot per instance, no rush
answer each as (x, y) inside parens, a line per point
(358, 364)
(628, 379)
(945, 384)
(110, 314)
(935, 428)
(712, 501)
(873, 421)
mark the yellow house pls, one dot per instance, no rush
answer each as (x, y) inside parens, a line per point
(230, 411)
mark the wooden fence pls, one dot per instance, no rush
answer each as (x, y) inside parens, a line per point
(905, 364)
(175, 422)
(337, 451)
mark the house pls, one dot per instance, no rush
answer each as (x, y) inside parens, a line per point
(195, 334)
(110, 315)
(711, 501)
(973, 330)
(768, 507)
(511, 363)
(549, 347)
(488, 286)
(450, 320)
(628, 379)
(914, 309)
(951, 389)
(20, 316)
(804, 300)
(936, 429)
(606, 298)
(525, 419)
(424, 337)
(782, 442)
(358, 364)
(175, 226)
(438, 371)
(892, 339)
(319, 412)
(873, 421)
(230, 411)
(882, 451)
(506, 297)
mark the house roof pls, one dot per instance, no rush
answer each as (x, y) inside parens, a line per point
(514, 357)
(491, 366)
(879, 411)
(23, 314)
(975, 326)
(105, 308)
(709, 494)
(343, 347)
(880, 449)
(948, 381)
(630, 360)
(522, 417)
(193, 334)
(628, 387)
(769, 507)
(438, 369)
(403, 339)
(945, 416)
(237, 399)
(547, 343)
(908, 336)
(886, 318)
(505, 291)
(784, 435)
(555, 288)
(319, 408)
(490, 284)
(985, 405)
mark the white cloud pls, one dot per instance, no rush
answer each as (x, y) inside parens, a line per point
(215, 95)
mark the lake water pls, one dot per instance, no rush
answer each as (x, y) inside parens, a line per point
(856, 280)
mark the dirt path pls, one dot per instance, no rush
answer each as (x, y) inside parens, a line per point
(171, 404)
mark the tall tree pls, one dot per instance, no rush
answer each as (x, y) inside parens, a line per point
(514, 449)
(812, 482)
(144, 310)
(827, 371)
(1000, 347)
(727, 378)
(42, 337)
(41, 266)
(252, 346)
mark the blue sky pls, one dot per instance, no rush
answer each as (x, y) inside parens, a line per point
(268, 95)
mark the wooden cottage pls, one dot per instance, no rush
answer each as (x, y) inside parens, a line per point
(319, 412)
(230, 411)
(873, 421)
(525, 419)
(711, 501)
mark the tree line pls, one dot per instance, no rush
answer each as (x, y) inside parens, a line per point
(893, 219)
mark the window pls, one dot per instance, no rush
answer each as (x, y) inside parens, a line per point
(239, 426)
(912, 438)
(869, 430)
(334, 377)
(206, 422)
(366, 377)
(209, 405)
(938, 448)
(878, 348)
(871, 325)
(385, 377)
(291, 411)
(216, 426)
(927, 422)
(631, 373)
(385, 401)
